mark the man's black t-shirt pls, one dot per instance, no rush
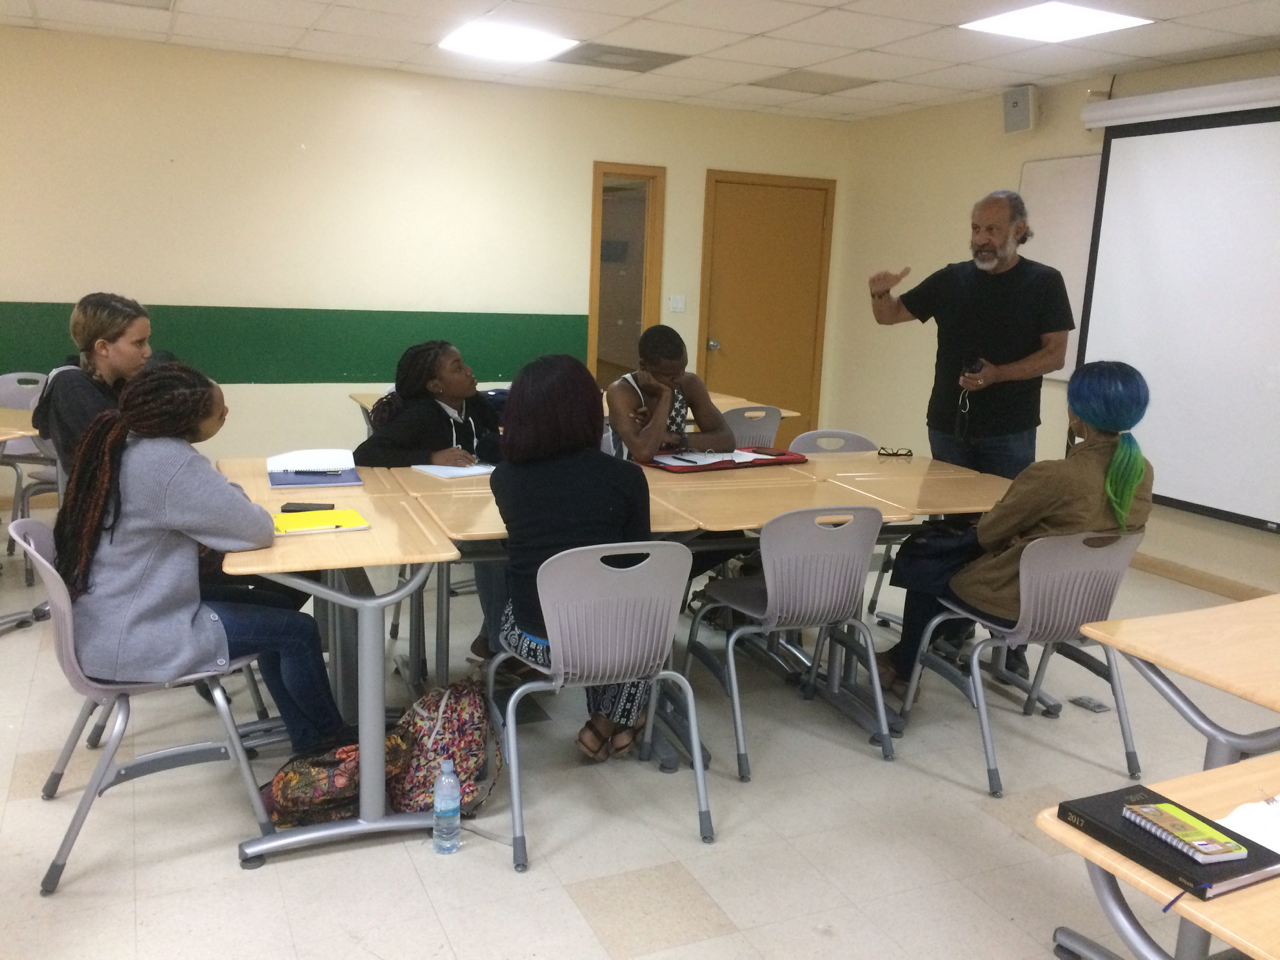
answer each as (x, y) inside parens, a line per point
(996, 317)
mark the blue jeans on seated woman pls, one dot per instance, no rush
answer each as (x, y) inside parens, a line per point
(288, 647)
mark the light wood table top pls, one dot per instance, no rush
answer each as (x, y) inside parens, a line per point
(1231, 647)
(771, 475)
(251, 474)
(1248, 919)
(400, 531)
(927, 495)
(730, 506)
(416, 483)
(15, 424)
(832, 466)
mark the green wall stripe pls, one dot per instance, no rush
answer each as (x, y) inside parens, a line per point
(270, 345)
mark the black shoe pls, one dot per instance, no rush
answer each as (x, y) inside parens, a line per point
(1015, 662)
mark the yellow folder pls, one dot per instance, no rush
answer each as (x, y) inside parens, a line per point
(318, 521)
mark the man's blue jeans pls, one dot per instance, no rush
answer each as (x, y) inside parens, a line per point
(288, 646)
(1005, 456)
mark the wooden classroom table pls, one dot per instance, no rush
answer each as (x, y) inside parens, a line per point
(401, 532)
(930, 494)
(868, 463)
(1248, 919)
(15, 423)
(251, 474)
(1232, 647)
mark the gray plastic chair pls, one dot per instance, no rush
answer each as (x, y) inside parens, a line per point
(36, 541)
(606, 625)
(814, 575)
(1064, 582)
(753, 426)
(846, 442)
(20, 391)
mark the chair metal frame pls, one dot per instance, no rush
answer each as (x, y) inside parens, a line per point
(814, 576)
(36, 541)
(753, 431)
(1064, 581)
(606, 625)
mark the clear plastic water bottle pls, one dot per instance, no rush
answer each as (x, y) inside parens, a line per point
(448, 802)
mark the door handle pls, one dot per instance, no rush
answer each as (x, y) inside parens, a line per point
(713, 344)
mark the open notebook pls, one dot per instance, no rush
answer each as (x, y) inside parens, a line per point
(313, 468)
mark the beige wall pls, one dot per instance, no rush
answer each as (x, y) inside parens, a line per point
(178, 175)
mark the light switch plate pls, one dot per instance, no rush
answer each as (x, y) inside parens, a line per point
(676, 303)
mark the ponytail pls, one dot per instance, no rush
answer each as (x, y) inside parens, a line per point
(1112, 397)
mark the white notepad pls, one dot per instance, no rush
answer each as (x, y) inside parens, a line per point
(450, 473)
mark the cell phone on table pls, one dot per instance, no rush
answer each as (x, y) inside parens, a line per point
(304, 507)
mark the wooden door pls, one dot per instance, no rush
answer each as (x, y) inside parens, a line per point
(765, 256)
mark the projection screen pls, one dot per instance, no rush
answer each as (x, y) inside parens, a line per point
(1184, 283)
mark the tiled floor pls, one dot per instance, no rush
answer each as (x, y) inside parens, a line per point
(828, 852)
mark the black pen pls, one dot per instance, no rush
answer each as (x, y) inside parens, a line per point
(683, 459)
(318, 473)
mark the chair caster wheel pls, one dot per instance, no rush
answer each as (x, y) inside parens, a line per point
(42, 613)
(882, 623)
(252, 863)
(1052, 712)
(808, 691)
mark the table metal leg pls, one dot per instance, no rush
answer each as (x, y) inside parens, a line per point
(442, 623)
(1224, 746)
(370, 654)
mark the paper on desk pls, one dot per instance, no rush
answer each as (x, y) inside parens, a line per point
(320, 460)
(1259, 822)
(689, 458)
(449, 473)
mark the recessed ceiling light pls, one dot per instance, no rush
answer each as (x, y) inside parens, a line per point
(502, 41)
(1054, 22)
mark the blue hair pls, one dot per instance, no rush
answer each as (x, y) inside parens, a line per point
(1112, 397)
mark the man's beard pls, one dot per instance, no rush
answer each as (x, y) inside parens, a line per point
(1002, 255)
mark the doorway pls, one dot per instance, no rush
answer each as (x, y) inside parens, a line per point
(766, 250)
(626, 264)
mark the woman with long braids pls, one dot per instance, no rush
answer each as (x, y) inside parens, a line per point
(1103, 486)
(435, 416)
(140, 503)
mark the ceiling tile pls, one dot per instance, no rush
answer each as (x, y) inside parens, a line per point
(102, 30)
(760, 95)
(455, 11)
(746, 16)
(373, 49)
(1159, 9)
(626, 8)
(289, 13)
(236, 31)
(104, 15)
(348, 60)
(678, 86)
(895, 91)
(214, 43)
(1258, 19)
(957, 46)
(617, 91)
(941, 12)
(708, 68)
(570, 73)
(383, 26)
(572, 24)
(13, 11)
(718, 104)
(669, 37)
(844, 106)
(854, 30)
(874, 65)
(779, 53)
(1156, 40)
(968, 76)
(1054, 58)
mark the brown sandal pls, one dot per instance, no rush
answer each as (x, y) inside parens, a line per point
(624, 738)
(603, 746)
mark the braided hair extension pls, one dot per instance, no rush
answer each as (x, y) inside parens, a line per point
(169, 401)
(102, 316)
(416, 367)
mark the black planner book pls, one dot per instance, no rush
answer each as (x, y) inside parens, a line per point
(1102, 817)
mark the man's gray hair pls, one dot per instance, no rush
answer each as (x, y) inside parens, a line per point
(1017, 209)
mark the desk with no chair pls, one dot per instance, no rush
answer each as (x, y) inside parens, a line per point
(1231, 647)
(1248, 919)
(401, 532)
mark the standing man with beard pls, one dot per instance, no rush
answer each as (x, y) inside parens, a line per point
(1002, 324)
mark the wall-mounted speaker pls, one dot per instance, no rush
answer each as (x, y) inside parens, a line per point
(1021, 106)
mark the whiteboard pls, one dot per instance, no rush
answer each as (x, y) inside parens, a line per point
(1060, 196)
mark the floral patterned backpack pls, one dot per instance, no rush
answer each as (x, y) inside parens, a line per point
(452, 723)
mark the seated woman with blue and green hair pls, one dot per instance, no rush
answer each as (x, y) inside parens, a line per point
(1102, 486)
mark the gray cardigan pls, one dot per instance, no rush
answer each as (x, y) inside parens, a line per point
(142, 619)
